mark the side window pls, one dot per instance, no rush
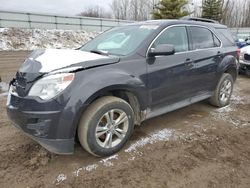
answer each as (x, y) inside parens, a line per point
(226, 36)
(203, 38)
(176, 36)
(217, 42)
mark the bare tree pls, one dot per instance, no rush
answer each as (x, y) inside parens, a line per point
(96, 11)
(120, 9)
(236, 13)
(132, 9)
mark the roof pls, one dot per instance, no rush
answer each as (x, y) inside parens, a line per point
(167, 22)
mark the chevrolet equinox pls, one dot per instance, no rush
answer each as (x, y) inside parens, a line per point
(122, 77)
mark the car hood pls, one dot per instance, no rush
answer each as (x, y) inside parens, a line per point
(245, 50)
(45, 61)
(52, 61)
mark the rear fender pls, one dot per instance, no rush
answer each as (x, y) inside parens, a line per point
(228, 62)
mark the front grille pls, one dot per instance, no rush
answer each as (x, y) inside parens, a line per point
(247, 57)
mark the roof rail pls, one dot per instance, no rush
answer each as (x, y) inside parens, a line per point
(199, 19)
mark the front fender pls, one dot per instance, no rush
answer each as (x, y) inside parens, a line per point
(90, 84)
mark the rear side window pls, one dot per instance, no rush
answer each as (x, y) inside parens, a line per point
(203, 38)
(176, 36)
(226, 36)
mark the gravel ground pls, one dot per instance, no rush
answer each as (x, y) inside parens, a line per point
(197, 146)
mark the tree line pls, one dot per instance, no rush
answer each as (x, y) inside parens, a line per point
(233, 13)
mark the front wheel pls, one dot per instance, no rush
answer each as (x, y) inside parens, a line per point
(223, 92)
(106, 126)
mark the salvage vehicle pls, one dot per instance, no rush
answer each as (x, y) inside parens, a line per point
(245, 60)
(119, 79)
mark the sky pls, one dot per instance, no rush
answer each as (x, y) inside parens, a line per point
(65, 7)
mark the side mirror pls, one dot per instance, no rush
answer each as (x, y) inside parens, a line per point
(162, 49)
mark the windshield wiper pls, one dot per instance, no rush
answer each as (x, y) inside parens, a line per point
(101, 52)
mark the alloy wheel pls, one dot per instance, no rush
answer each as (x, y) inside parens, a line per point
(112, 128)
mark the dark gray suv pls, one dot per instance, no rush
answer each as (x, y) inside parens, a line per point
(119, 79)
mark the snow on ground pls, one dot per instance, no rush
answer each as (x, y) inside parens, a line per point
(224, 112)
(161, 135)
(31, 39)
(107, 162)
(60, 178)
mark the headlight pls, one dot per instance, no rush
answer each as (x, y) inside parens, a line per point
(50, 86)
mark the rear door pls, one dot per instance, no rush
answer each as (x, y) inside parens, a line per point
(206, 53)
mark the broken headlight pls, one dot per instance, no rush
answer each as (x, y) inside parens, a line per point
(50, 86)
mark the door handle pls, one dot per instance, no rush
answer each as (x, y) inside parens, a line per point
(188, 60)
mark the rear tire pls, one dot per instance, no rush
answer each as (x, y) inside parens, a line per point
(106, 126)
(223, 92)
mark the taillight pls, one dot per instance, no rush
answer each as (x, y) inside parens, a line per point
(238, 52)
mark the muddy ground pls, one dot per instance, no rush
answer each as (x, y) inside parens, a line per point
(197, 146)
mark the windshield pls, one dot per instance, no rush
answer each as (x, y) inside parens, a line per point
(120, 41)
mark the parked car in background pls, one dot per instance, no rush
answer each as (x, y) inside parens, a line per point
(119, 79)
(241, 42)
(245, 60)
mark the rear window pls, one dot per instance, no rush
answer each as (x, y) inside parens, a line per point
(226, 36)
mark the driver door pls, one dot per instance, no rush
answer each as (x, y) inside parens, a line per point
(169, 78)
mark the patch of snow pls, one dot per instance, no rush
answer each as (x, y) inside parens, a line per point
(225, 109)
(224, 115)
(4, 87)
(2, 30)
(90, 168)
(77, 172)
(32, 39)
(131, 158)
(107, 161)
(161, 135)
(237, 99)
(60, 178)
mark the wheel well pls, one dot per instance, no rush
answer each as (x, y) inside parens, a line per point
(233, 72)
(130, 98)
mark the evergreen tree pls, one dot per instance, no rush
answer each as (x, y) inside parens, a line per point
(170, 9)
(212, 9)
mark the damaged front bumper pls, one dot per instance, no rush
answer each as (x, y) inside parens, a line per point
(41, 124)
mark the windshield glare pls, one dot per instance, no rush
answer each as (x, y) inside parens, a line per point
(121, 40)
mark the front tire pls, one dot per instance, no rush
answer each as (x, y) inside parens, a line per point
(223, 92)
(106, 126)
